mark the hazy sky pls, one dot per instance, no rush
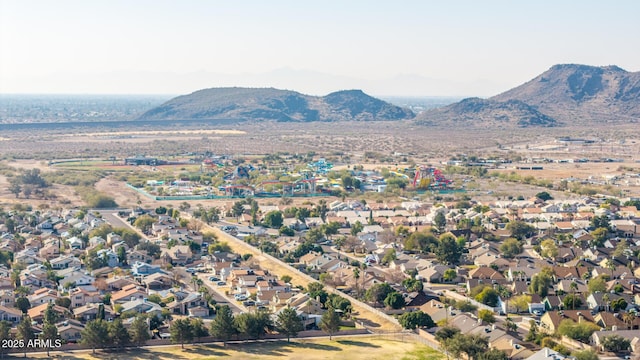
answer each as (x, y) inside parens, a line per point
(383, 47)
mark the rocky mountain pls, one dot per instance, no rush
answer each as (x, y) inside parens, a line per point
(276, 105)
(566, 94)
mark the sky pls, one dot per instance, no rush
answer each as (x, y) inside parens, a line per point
(385, 48)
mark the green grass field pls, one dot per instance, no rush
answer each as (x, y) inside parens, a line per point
(354, 348)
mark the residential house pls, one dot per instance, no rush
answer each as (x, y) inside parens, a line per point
(182, 305)
(551, 320)
(159, 280)
(70, 331)
(142, 306)
(178, 255)
(43, 296)
(80, 297)
(128, 293)
(90, 311)
(36, 313)
(141, 269)
(64, 262)
(10, 314)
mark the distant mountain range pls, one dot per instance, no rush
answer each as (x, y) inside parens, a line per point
(567, 94)
(276, 105)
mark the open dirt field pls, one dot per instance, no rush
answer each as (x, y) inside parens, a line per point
(356, 348)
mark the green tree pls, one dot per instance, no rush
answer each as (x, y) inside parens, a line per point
(544, 196)
(356, 228)
(144, 222)
(448, 251)
(572, 301)
(541, 282)
(238, 209)
(585, 355)
(599, 236)
(616, 343)
(511, 247)
(549, 249)
(25, 331)
(95, 334)
(223, 325)
(139, 330)
(601, 221)
(597, 284)
(449, 275)
(289, 323)
(118, 334)
(181, 331)
(578, 331)
(414, 319)
(273, 219)
(316, 291)
(440, 221)
(378, 292)
(254, 324)
(472, 345)
(330, 322)
(488, 296)
(389, 256)
(486, 316)
(520, 229)
(493, 354)
(198, 329)
(23, 304)
(394, 300)
(49, 330)
(5, 334)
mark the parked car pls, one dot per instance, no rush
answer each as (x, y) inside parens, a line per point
(249, 303)
(240, 297)
(221, 283)
(213, 278)
(192, 270)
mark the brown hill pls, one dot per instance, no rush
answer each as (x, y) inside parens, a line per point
(567, 94)
(277, 105)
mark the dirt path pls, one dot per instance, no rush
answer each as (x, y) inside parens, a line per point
(374, 320)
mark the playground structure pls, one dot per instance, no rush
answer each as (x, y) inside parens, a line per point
(430, 178)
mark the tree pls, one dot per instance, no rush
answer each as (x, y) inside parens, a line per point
(618, 304)
(394, 300)
(49, 329)
(23, 304)
(511, 247)
(415, 319)
(289, 323)
(412, 285)
(198, 329)
(616, 343)
(521, 302)
(440, 221)
(316, 291)
(253, 325)
(585, 355)
(448, 251)
(549, 249)
(378, 292)
(572, 301)
(488, 296)
(95, 334)
(330, 322)
(25, 332)
(540, 282)
(139, 330)
(486, 316)
(356, 228)
(601, 221)
(238, 209)
(273, 219)
(520, 229)
(578, 331)
(286, 279)
(449, 275)
(389, 256)
(599, 236)
(597, 284)
(144, 223)
(472, 345)
(5, 334)
(118, 334)
(493, 354)
(223, 325)
(286, 231)
(544, 196)
(181, 331)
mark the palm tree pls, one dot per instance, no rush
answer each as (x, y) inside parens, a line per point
(628, 319)
(606, 299)
(573, 287)
(356, 276)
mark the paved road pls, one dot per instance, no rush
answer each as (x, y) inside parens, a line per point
(214, 290)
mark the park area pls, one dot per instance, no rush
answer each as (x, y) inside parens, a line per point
(352, 348)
